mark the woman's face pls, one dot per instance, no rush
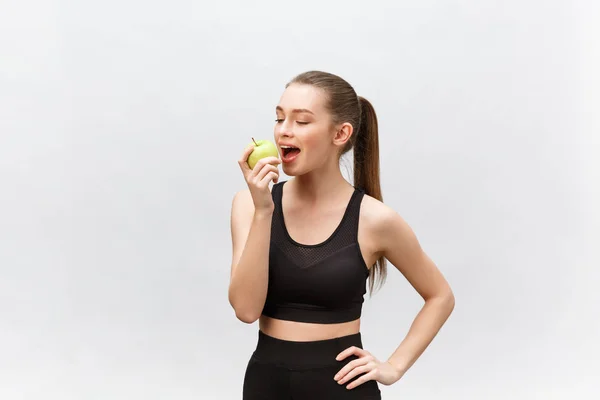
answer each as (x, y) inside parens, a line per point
(303, 122)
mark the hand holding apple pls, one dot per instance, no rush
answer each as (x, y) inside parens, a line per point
(259, 163)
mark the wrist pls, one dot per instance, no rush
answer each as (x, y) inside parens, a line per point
(400, 368)
(263, 213)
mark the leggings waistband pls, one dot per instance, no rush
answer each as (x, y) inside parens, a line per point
(304, 354)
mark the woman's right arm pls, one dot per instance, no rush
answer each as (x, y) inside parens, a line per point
(251, 212)
(250, 235)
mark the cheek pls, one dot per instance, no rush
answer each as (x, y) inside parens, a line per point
(317, 142)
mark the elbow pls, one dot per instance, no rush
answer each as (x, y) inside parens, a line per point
(445, 300)
(243, 313)
(449, 301)
(246, 317)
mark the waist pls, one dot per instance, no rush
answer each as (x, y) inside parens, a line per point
(303, 354)
(306, 331)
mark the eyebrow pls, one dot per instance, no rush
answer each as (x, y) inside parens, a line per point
(296, 110)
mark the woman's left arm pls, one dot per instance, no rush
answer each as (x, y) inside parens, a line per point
(399, 245)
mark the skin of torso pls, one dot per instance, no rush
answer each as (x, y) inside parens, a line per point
(313, 228)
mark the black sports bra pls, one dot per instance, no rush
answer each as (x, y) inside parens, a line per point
(319, 283)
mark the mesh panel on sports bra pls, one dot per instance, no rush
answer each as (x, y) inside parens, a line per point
(305, 255)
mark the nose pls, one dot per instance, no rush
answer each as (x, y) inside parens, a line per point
(285, 128)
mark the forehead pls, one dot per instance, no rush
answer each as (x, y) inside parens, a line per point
(298, 96)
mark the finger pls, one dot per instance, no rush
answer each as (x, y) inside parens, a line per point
(264, 171)
(356, 371)
(270, 176)
(366, 377)
(349, 367)
(352, 350)
(268, 160)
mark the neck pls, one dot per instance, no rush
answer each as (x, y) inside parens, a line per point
(323, 183)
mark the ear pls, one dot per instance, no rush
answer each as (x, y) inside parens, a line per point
(343, 134)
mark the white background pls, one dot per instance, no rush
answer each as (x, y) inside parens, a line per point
(120, 126)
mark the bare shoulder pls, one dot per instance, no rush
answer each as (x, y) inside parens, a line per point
(242, 209)
(379, 219)
(379, 215)
(242, 199)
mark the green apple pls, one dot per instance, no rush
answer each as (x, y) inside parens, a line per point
(262, 149)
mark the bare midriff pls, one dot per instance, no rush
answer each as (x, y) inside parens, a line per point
(303, 331)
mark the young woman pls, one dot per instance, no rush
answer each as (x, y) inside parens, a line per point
(303, 251)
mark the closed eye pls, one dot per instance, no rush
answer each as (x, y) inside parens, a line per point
(280, 120)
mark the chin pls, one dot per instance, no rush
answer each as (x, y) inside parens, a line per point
(298, 170)
(290, 171)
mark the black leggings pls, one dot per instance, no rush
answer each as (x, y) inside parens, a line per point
(289, 370)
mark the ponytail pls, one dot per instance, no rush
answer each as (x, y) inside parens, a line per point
(366, 170)
(366, 151)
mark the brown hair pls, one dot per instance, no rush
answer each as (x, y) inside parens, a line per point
(346, 106)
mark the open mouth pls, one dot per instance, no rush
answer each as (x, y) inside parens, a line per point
(290, 151)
